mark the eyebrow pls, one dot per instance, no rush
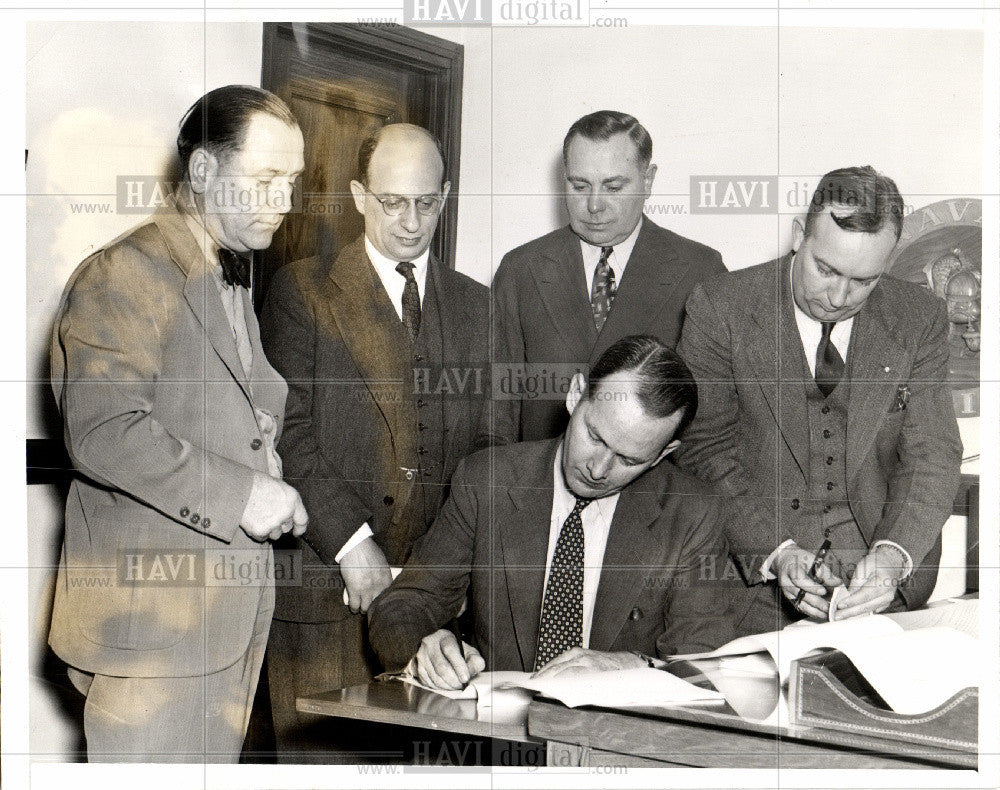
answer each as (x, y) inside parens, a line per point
(839, 273)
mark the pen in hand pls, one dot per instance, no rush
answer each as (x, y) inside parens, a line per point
(817, 562)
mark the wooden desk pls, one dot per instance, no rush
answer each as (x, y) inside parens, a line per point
(392, 702)
(716, 736)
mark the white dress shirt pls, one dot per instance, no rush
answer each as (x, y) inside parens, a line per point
(618, 259)
(596, 518)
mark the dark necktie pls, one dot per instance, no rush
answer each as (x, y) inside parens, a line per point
(602, 292)
(411, 300)
(561, 623)
(829, 363)
(235, 268)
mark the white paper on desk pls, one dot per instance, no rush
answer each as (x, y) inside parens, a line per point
(627, 688)
(961, 614)
(489, 689)
(800, 640)
(395, 570)
(915, 671)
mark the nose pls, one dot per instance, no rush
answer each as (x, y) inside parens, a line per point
(838, 292)
(595, 202)
(279, 198)
(410, 218)
(599, 465)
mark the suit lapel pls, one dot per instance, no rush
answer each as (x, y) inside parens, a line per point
(372, 332)
(524, 540)
(631, 544)
(650, 277)
(875, 362)
(201, 292)
(777, 360)
(561, 282)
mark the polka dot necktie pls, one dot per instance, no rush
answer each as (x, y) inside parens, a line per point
(411, 299)
(602, 292)
(561, 624)
(829, 363)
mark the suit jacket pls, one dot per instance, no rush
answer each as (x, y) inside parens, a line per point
(750, 436)
(350, 430)
(543, 318)
(160, 426)
(659, 591)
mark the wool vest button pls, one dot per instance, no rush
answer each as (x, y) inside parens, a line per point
(829, 486)
(195, 518)
(795, 504)
(184, 512)
(387, 501)
(829, 460)
(827, 508)
(826, 433)
(206, 522)
(825, 410)
(255, 444)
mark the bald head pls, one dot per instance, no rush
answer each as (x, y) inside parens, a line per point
(402, 190)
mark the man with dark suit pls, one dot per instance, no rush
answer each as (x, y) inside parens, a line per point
(171, 417)
(385, 352)
(825, 413)
(618, 541)
(561, 300)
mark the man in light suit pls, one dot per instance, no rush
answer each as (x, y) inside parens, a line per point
(561, 300)
(825, 413)
(385, 352)
(618, 539)
(171, 417)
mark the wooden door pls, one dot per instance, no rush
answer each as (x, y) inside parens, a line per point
(342, 82)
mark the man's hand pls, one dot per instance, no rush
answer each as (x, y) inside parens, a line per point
(439, 661)
(365, 573)
(273, 509)
(873, 585)
(578, 659)
(792, 566)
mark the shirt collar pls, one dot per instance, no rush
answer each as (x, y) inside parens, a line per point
(385, 265)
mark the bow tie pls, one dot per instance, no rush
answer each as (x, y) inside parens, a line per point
(235, 268)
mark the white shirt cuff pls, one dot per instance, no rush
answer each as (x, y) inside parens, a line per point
(907, 559)
(364, 532)
(765, 567)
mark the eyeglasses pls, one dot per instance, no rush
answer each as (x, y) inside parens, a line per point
(394, 205)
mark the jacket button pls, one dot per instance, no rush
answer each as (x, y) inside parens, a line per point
(827, 508)
(184, 512)
(826, 433)
(195, 518)
(421, 426)
(387, 501)
(255, 444)
(206, 522)
(635, 614)
(421, 451)
(795, 504)
(825, 410)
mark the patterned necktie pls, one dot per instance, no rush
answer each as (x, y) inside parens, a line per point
(829, 363)
(602, 292)
(561, 624)
(411, 300)
(235, 268)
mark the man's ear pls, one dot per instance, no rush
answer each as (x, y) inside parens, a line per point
(647, 181)
(577, 388)
(673, 445)
(201, 166)
(798, 233)
(358, 191)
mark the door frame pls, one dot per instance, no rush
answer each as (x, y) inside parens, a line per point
(440, 62)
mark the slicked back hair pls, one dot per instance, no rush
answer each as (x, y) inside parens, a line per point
(665, 383)
(218, 121)
(604, 124)
(863, 200)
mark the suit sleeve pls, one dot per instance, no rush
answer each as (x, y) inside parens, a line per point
(699, 616)
(925, 477)
(501, 421)
(107, 356)
(434, 581)
(709, 445)
(288, 333)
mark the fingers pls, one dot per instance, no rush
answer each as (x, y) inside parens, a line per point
(814, 606)
(827, 577)
(440, 663)
(300, 518)
(474, 660)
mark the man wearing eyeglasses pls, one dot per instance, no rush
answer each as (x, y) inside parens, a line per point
(385, 352)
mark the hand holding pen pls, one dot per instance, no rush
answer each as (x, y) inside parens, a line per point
(806, 580)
